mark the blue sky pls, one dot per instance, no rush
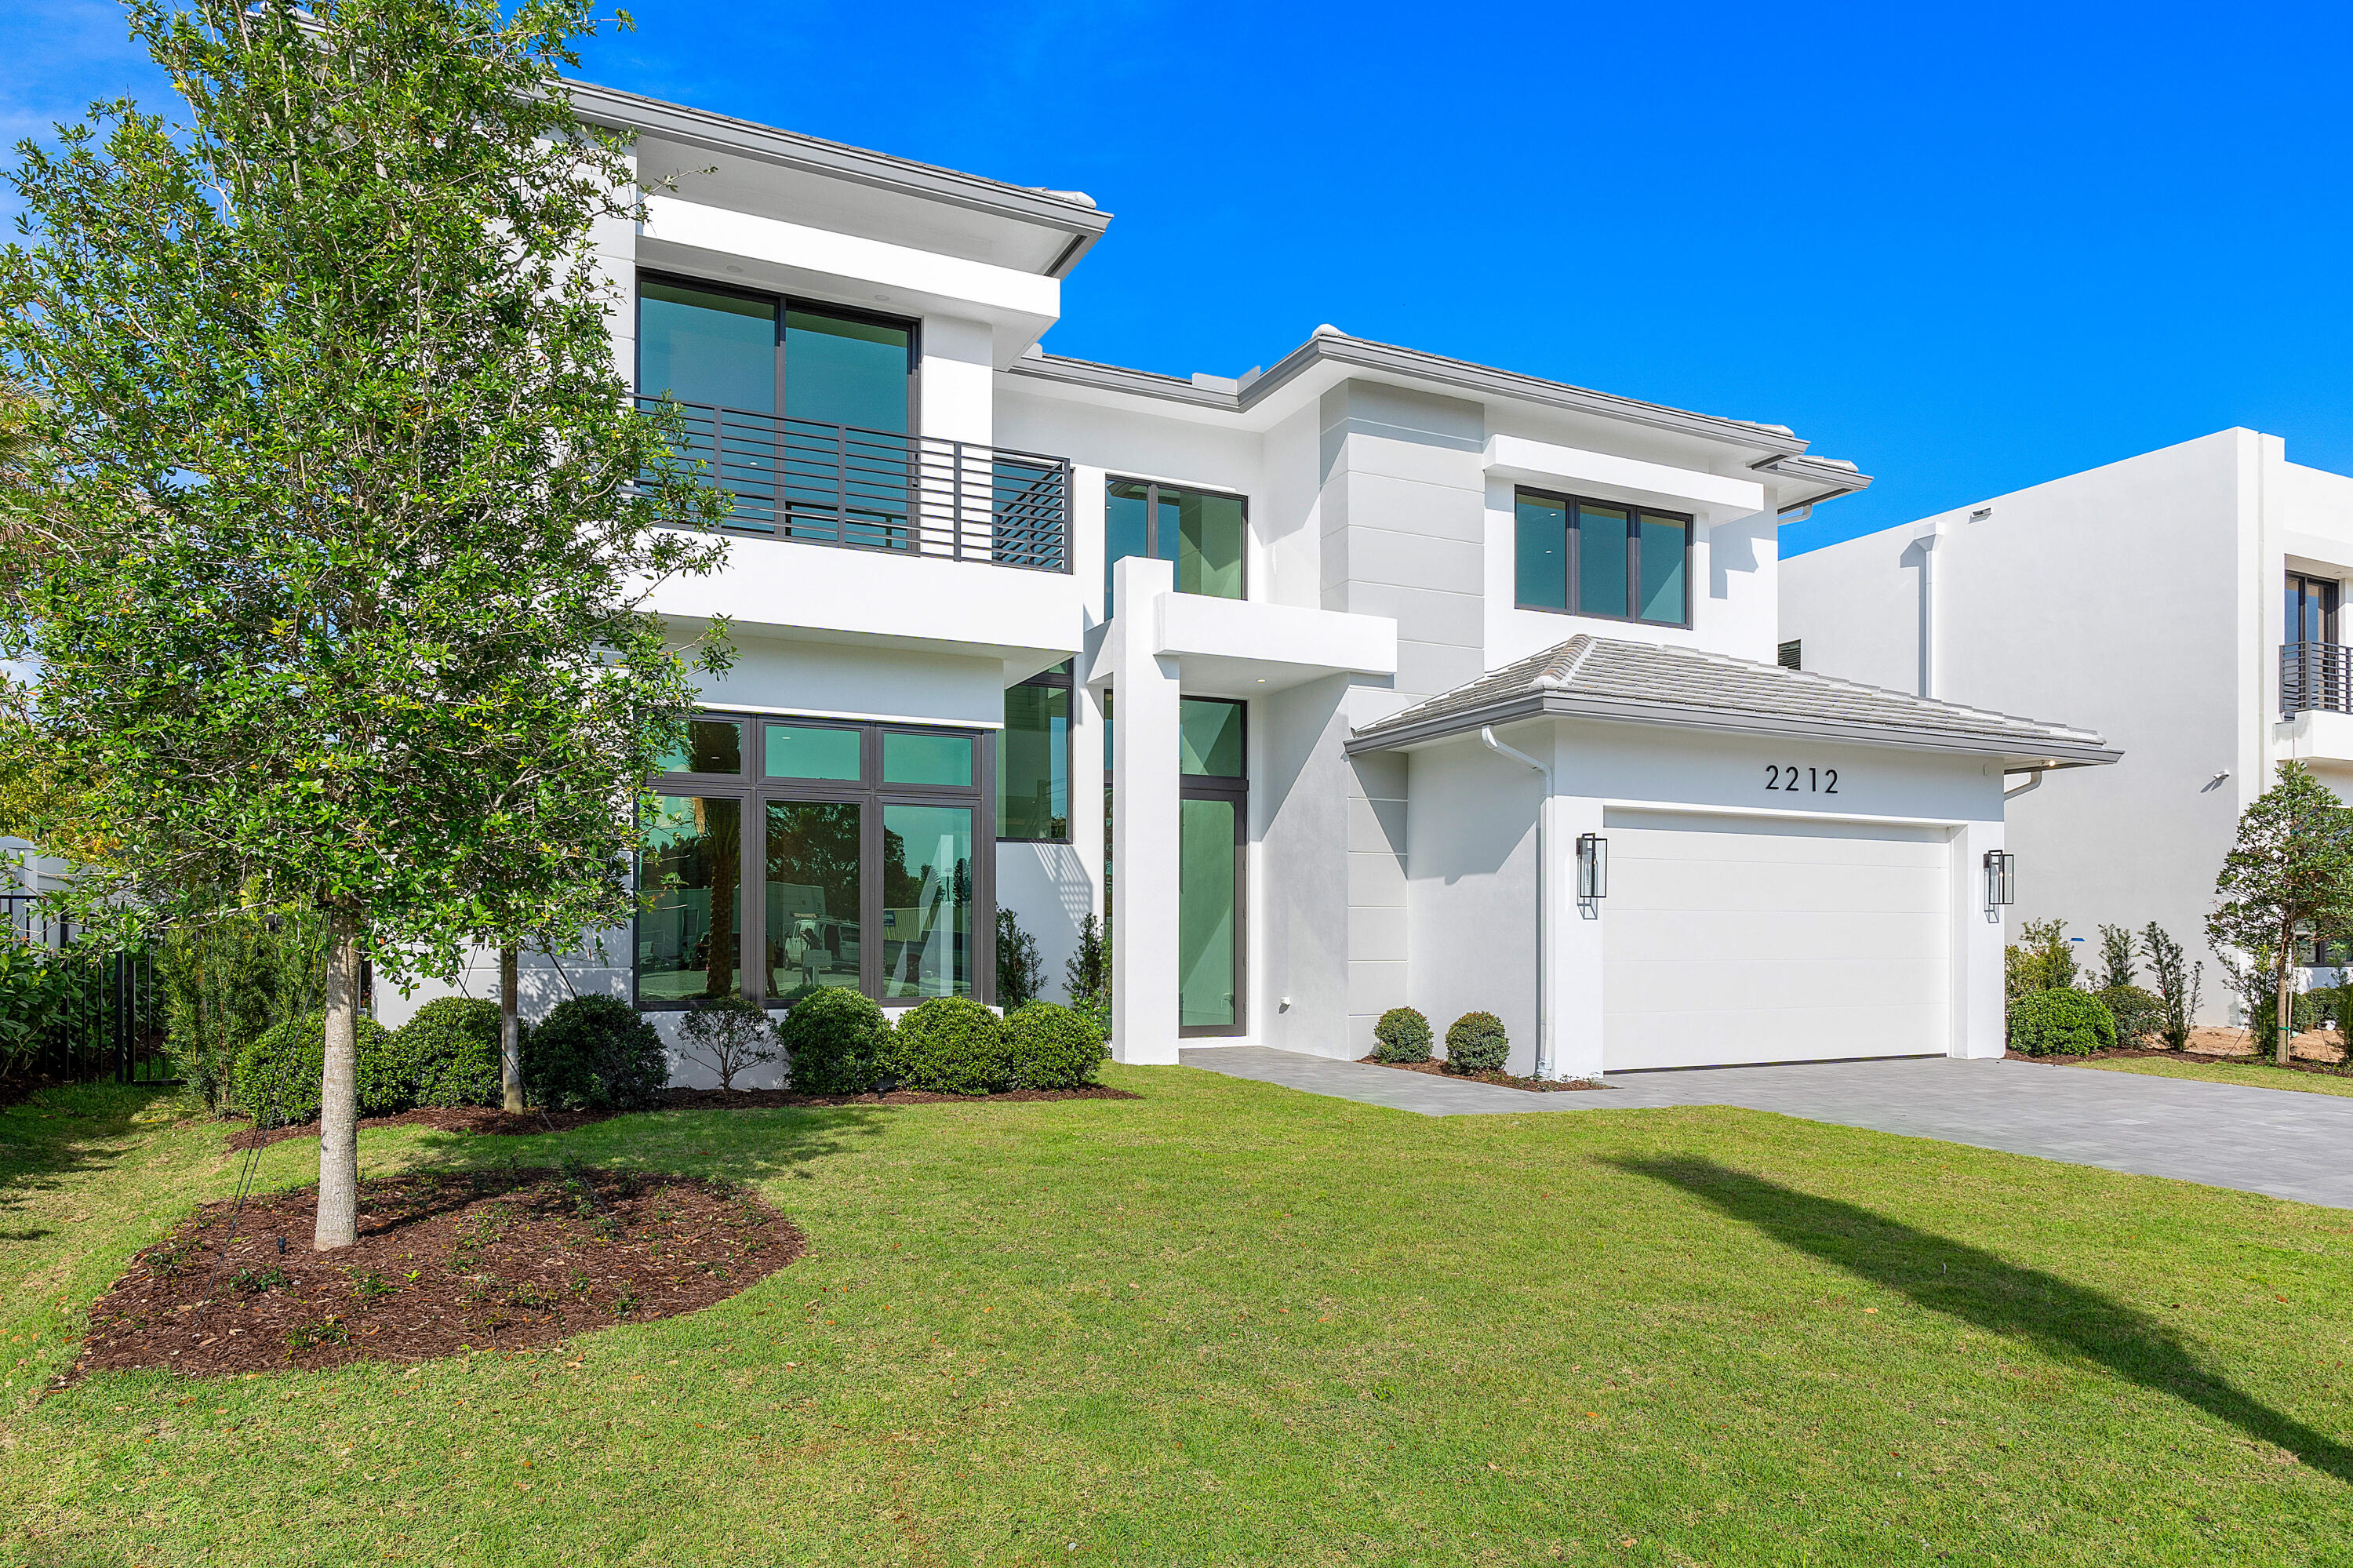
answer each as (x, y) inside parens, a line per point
(1969, 248)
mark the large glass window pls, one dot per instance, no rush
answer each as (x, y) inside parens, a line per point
(689, 938)
(700, 345)
(1591, 557)
(847, 369)
(1213, 809)
(927, 897)
(1206, 533)
(1033, 759)
(1209, 738)
(858, 837)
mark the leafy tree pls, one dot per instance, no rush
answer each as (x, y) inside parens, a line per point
(355, 523)
(2292, 867)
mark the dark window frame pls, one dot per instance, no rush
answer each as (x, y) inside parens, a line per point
(1635, 512)
(782, 303)
(1152, 489)
(752, 787)
(1235, 788)
(2330, 593)
(1062, 676)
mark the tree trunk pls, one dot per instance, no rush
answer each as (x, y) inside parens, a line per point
(338, 1120)
(510, 1032)
(2284, 1009)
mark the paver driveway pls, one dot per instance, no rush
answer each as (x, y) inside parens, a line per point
(2277, 1142)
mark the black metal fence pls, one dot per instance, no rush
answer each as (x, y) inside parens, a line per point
(90, 1015)
(875, 490)
(2316, 675)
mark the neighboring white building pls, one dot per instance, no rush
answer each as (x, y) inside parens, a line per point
(1333, 646)
(2185, 602)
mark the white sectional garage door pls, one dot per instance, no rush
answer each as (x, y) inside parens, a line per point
(1752, 939)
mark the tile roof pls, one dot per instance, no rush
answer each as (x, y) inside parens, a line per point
(1608, 677)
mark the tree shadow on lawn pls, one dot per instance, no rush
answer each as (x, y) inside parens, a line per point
(1979, 1287)
(781, 1143)
(59, 1133)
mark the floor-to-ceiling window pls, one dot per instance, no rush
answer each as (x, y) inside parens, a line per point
(802, 411)
(1204, 532)
(1212, 829)
(1601, 558)
(857, 836)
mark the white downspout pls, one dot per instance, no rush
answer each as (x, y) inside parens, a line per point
(1545, 1055)
(1928, 610)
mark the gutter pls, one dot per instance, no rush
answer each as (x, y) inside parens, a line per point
(1544, 1052)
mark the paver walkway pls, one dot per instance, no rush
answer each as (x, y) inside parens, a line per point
(2276, 1141)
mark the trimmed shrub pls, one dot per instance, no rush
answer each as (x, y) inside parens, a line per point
(449, 1053)
(1051, 1047)
(276, 1078)
(2061, 1024)
(1401, 1035)
(835, 1040)
(1475, 1042)
(2140, 1014)
(949, 1045)
(593, 1052)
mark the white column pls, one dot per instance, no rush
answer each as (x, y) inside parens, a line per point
(1979, 1023)
(1144, 819)
(1573, 928)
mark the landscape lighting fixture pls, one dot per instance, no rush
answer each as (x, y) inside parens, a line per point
(2001, 878)
(1592, 865)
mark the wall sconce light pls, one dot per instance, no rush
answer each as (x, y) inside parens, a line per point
(2001, 878)
(1592, 865)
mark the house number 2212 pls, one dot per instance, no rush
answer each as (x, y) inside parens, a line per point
(1790, 781)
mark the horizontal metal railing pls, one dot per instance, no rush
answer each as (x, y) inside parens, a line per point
(821, 484)
(2316, 675)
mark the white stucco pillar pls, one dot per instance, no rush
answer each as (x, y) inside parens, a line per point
(1573, 930)
(1144, 819)
(1979, 1022)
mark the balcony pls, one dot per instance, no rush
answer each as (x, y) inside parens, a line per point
(819, 483)
(2315, 677)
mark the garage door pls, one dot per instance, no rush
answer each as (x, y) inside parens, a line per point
(1747, 939)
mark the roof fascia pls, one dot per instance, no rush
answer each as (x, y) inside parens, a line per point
(1555, 704)
(700, 128)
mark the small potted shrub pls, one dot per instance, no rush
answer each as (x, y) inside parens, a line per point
(594, 1052)
(1401, 1035)
(1051, 1047)
(834, 1040)
(449, 1052)
(1475, 1042)
(949, 1045)
(2061, 1024)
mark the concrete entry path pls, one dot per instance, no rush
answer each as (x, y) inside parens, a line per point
(2275, 1141)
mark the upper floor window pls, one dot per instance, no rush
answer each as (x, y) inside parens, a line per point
(759, 354)
(2311, 610)
(1204, 533)
(1033, 759)
(1603, 559)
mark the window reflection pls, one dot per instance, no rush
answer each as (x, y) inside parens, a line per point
(926, 901)
(690, 939)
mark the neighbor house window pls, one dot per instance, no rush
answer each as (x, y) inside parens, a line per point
(1202, 531)
(855, 841)
(1602, 559)
(1033, 759)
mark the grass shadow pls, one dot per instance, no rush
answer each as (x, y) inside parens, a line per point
(55, 1134)
(1968, 1283)
(747, 1144)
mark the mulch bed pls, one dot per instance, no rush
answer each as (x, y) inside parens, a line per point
(500, 1259)
(1532, 1086)
(2126, 1053)
(484, 1119)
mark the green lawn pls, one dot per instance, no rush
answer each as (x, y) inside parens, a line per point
(2251, 1073)
(1228, 1323)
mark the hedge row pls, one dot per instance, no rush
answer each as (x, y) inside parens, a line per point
(841, 1044)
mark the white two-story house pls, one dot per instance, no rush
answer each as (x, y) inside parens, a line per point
(1364, 679)
(2186, 601)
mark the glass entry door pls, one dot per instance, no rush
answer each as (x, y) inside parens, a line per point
(1212, 890)
(2311, 610)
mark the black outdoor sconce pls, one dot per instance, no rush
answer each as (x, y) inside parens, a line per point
(1592, 866)
(2001, 878)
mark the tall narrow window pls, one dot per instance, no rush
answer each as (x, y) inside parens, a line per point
(1213, 811)
(1204, 533)
(2311, 609)
(815, 926)
(927, 900)
(1592, 558)
(690, 941)
(1033, 759)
